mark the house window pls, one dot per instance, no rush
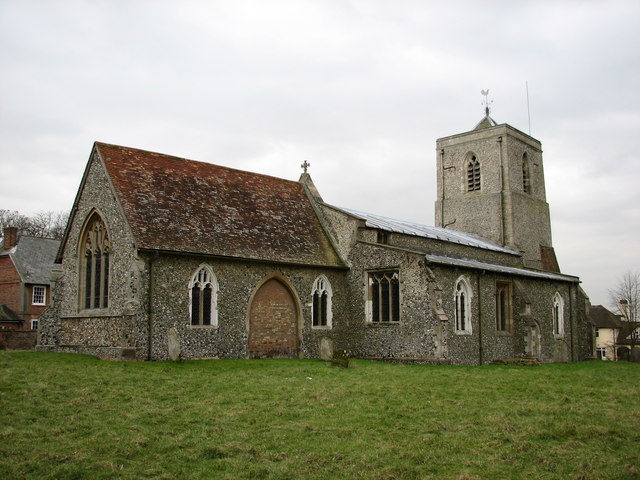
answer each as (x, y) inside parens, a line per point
(95, 264)
(473, 174)
(203, 296)
(503, 307)
(34, 324)
(597, 332)
(384, 297)
(601, 353)
(463, 306)
(558, 315)
(321, 302)
(526, 174)
(39, 295)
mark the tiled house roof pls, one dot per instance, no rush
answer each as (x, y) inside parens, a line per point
(34, 257)
(178, 205)
(602, 318)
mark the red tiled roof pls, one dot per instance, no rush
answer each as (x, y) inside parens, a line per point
(179, 205)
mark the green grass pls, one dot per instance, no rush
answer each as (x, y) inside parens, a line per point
(77, 417)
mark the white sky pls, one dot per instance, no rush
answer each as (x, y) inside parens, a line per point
(360, 89)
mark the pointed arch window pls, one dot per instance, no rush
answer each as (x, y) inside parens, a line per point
(384, 297)
(95, 264)
(463, 306)
(558, 315)
(321, 303)
(473, 174)
(526, 174)
(503, 307)
(203, 296)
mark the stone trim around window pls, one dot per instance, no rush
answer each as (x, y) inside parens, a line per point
(94, 272)
(462, 313)
(203, 298)
(383, 297)
(558, 316)
(504, 314)
(321, 304)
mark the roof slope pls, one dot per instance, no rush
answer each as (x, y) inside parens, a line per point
(179, 205)
(409, 228)
(8, 315)
(603, 318)
(34, 257)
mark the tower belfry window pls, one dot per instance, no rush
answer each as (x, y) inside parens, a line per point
(526, 175)
(473, 175)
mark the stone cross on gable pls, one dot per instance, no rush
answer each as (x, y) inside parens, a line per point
(305, 165)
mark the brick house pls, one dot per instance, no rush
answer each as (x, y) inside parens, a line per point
(25, 272)
(166, 257)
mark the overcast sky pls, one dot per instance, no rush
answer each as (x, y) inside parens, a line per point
(360, 89)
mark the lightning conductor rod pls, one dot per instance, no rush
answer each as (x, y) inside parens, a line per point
(528, 109)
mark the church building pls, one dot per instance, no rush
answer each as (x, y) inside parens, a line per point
(167, 258)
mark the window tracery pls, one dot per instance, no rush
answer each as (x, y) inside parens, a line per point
(473, 174)
(203, 294)
(321, 303)
(95, 267)
(463, 306)
(384, 297)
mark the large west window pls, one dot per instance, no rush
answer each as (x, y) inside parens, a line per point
(95, 264)
(384, 297)
(503, 307)
(39, 295)
(558, 315)
(463, 306)
(203, 295)
(321, 303)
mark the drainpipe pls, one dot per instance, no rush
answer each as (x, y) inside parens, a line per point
(150, 307)
(502, 213)
(571, 319)
(480, 351)
(442, 188)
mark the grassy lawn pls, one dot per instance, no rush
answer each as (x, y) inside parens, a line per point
(77, 417)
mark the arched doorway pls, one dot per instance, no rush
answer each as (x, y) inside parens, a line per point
(273, 322)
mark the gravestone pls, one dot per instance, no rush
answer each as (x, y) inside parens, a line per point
(173, 343)
(326, 348)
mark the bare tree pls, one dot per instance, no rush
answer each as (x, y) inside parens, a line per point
(42, 224)
(624, 298)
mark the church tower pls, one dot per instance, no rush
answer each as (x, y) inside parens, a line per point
(491, 183)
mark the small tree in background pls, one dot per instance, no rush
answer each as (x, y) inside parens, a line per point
(624, 299)
(43, 224)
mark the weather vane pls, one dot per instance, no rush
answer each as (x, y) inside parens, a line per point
(305, 165)
(486, 102)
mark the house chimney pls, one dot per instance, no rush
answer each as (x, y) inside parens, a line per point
(10, 235)
(624, 309)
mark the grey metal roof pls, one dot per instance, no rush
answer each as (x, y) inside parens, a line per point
(34, 257)
(416, 229)
(492, 267)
